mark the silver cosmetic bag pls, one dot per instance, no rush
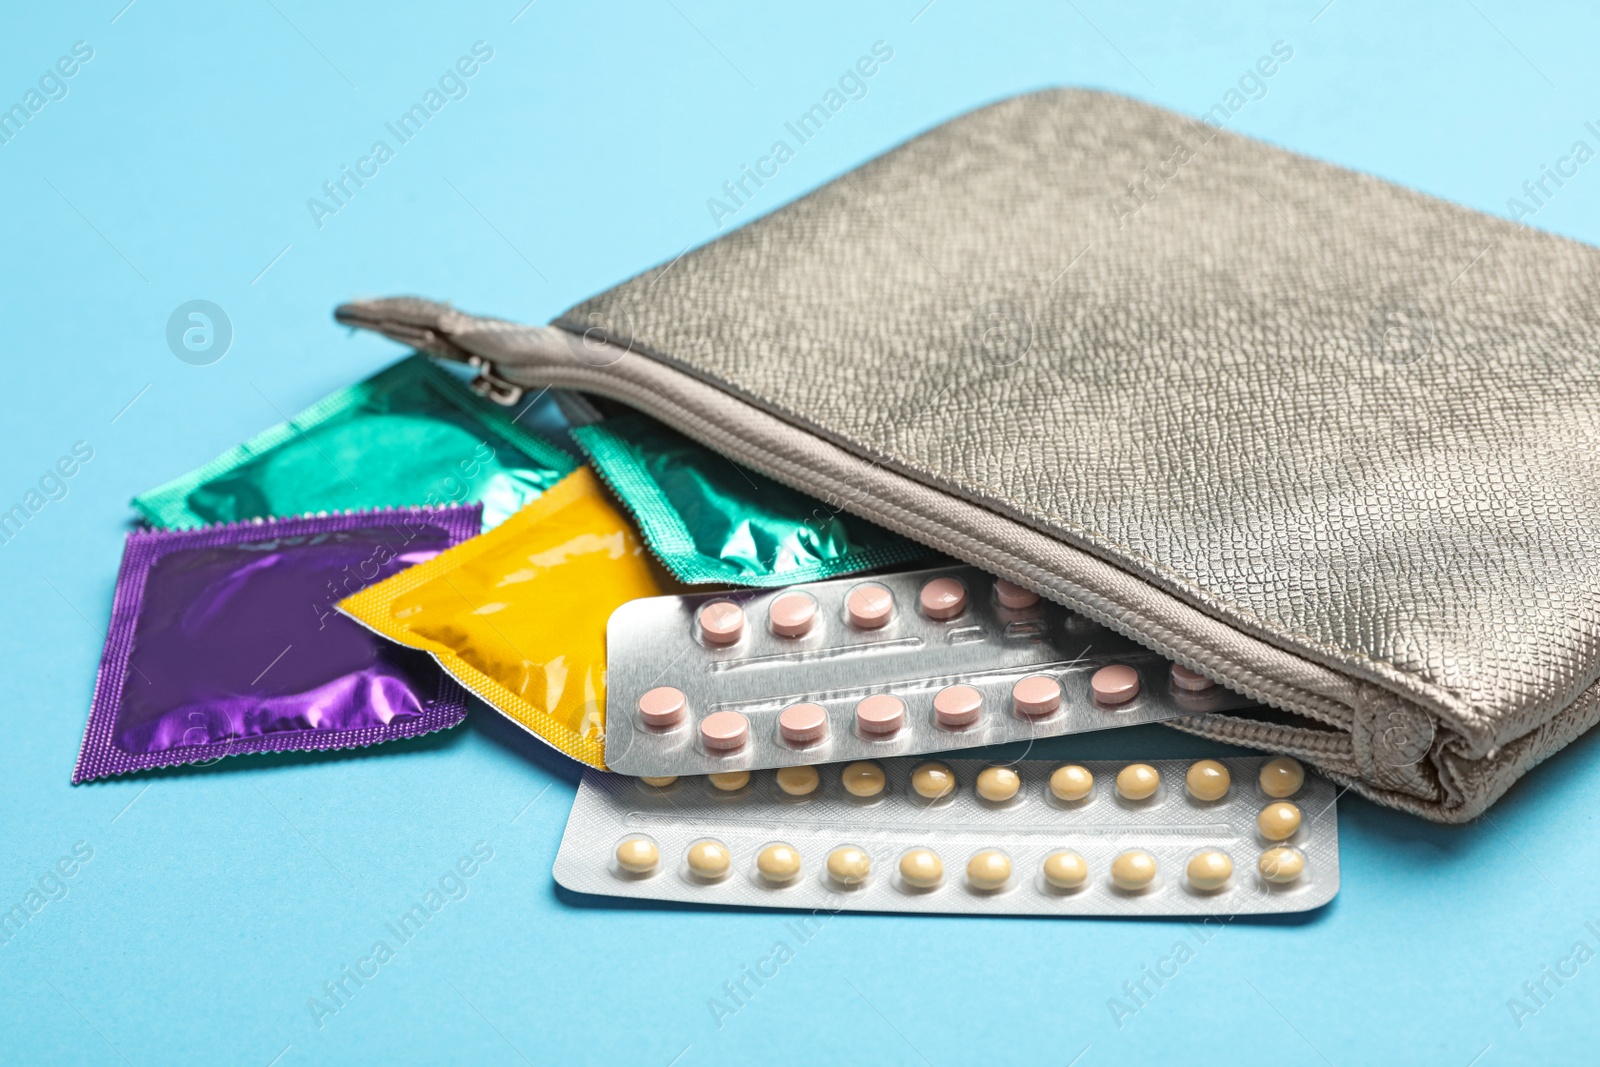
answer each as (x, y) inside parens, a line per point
(1330, 441)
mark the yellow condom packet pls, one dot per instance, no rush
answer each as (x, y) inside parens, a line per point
(518, 614)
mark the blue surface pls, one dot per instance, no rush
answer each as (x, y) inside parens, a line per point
(216, 904)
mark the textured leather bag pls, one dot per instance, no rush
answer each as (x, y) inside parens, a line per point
(1331, 442)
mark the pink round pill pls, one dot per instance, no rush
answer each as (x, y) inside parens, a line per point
(1035, 695)
(943, 598)
(662, 706)
(721, 622)
(869, 606)
(792, 614)
(1193, 681)
(801, 724)
(881, 714)
(956, 706)
(1116, 684)
(723, 731)
(1013, 596)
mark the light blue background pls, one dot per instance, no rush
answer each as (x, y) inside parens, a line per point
(217, 903)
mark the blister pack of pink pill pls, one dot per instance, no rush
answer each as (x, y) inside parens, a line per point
(1234, 836)
(852, 668)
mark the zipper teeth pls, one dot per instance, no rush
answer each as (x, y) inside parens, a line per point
(935, 534)
(1322, 747)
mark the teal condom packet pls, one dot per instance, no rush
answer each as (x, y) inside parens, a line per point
(410, 435)
(710, 520)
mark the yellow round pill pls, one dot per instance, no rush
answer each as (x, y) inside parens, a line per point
(1138, 781)
(1133, 870)
(933, 780)
(1210, 870)
(730, 781)
(708, 859)
(659, 782)
(862, 779)
(849, 865)
(778, 862)
(1281, 865)
(921, 868)
(1208, 780)
(989, 870)
(1278, 822)
(1071, 782)
(998, 784)
(798, 781)
(638, 855)
(1065, 870)
(1281, 777)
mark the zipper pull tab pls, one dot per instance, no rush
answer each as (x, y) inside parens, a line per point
(491, 385)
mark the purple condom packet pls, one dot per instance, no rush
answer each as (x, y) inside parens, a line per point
(224, 640)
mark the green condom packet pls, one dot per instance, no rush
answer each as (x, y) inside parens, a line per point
(710, 520)
(412, 434)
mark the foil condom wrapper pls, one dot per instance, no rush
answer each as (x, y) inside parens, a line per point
(711, 521)
(411, 435)
(224, 641)
(518, 615)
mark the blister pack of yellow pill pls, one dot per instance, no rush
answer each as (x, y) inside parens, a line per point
(518, 614)
(1232, 836)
